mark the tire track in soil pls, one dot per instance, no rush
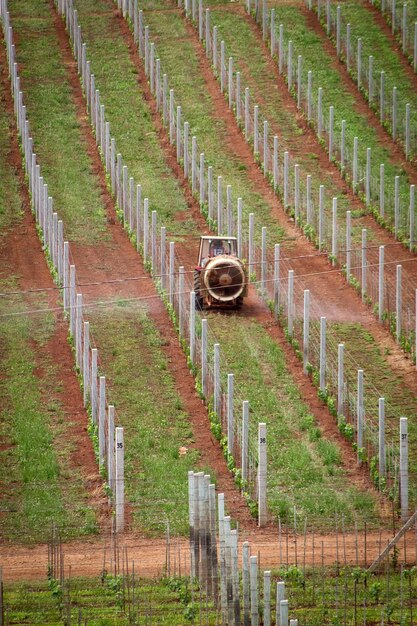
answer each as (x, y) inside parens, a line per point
(21, 254)
(361, 104)
(116, 261)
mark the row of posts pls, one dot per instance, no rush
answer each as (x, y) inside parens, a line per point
(58, 251)
(214, 562)
(356, 65)
(402, 217)
(407, 28)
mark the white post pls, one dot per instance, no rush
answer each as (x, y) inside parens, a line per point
(251, 236)
(286, 172)
(245, 583)
(306, 328)
(171, 272)
(262, 481)
(360, 414)
(334, 231)
(322, 353)
(411, 216)
(283, 612)
(398, 305)
(230, 416)
(102, 420)
(216, 379)
(290, 307)
(78, 331)
(267, 598)
(404, 467)
(355, 166)
(86, 363)
(245, 440)
(120, 481)
(394, 113)
(110, 448)
(331, 127)
(396, 205)
(192, 326)
(368, 177)
(348, 244)
(93, 379)
(340, 379)
(381, 438)
(381, 283)
(253, 560)
(203, 356)
(321, 215)
(382, 190)
(280, 595)
(364, 264)
(277, 251)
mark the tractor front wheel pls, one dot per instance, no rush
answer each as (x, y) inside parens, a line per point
(198, 298)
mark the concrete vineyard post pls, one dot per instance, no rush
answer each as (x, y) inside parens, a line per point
(415, 330)
(382, 98)
(178, 138)
(230, 415)
(340, 380)
(272, 32)
(394, 114)
(153, 242)
(364, 264)
(72, 298)
(396, 205)
(322, 354)
(328, 23)
(238, 100)
(229, 213)
(411, 216)
(253, 572)
(263, 262)
(110, 447)
(308, 194)
(162, 254)
(338, 30)
(281, 48)
(355, 166)
(219, 205)
(348, 244)
(193, 163)
(334, 231)
(202, 181)
(370, 79)
(265, 147)
(235, 577)
(309, 90)
(181, 296)
(398, 303)
(120, 481)
(192, 327)
(223, 591)
(262, 480)
(264, 19)
(251, 242)
(306, 329)
(93, 399)
(86, 363)
(321, 215)
(203, 355)
(230, 82)
(415, 47)
(320, 112)
(239, 227)
(102, 420)
(277, 251)
(216, 379)
(296, 191)
(245, 439)
(280, 595)
(404, 467)
(404, 28)
(299, 77)
(407, 131)
(247, 104)
(191, 497)
(207, 35)
(360, 416)
(359, 63)
(283, 612)
(289, 66)
(368, 177)
(267, 598)
(210, 191)
(222, 66)
(293, 622)
(342, 146)
(215, 47)
(381, 439)
(145, 228)
(171, 272)
(245, 583)
(255, 130)
(382, 190)
(78, 331)
(381, 283)
(290, 305)
(286, 171)
(171, 116)
(165, 98)
(331, 129)
(200, 20)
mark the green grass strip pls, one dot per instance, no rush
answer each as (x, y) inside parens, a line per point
(129, 115)
(156, 423)
(304, 468)
(38, 483)
(58, 139)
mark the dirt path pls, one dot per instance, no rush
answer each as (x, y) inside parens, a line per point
(90, 558)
